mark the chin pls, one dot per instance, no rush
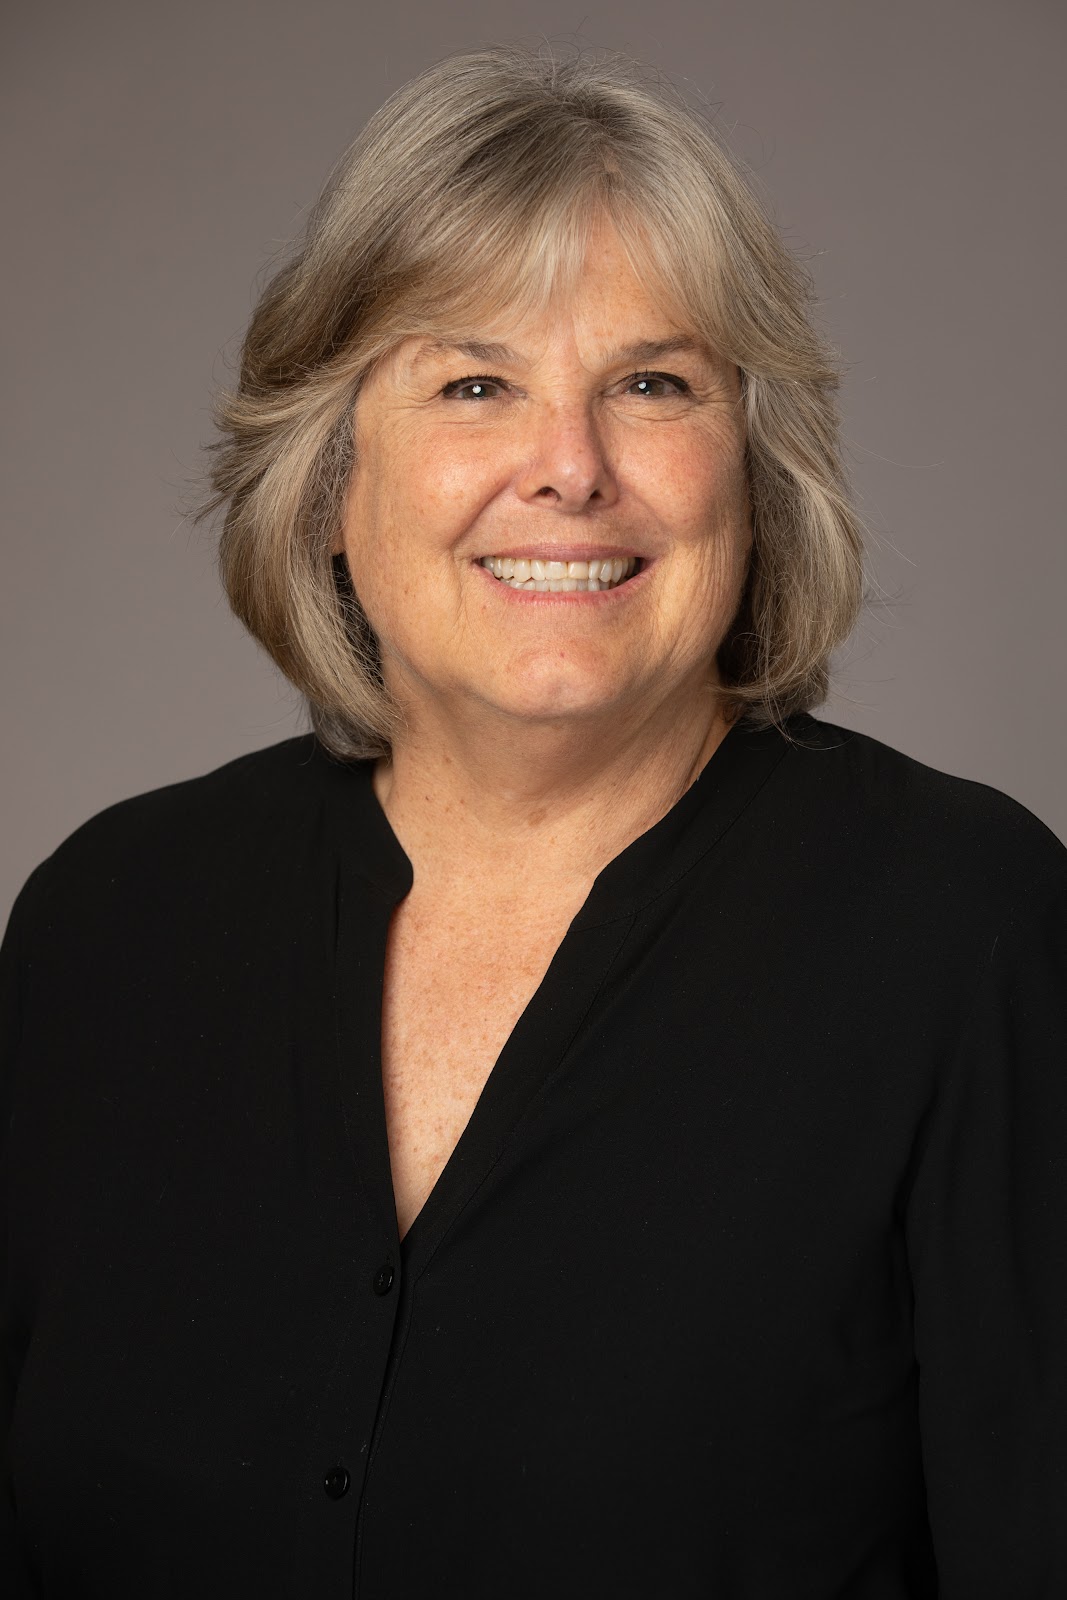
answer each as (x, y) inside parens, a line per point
(543, 696)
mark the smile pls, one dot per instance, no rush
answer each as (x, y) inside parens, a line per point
(561, 577)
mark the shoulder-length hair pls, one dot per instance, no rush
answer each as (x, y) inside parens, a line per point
(474, 189)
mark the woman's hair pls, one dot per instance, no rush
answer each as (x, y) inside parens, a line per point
(472, 191)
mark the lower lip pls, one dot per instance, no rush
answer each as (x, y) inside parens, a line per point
(570, 597)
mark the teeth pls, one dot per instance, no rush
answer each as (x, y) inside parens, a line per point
(560, 577)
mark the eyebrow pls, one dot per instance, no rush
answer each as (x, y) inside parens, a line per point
(639, 354)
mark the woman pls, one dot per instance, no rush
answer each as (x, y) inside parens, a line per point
(574, 1124)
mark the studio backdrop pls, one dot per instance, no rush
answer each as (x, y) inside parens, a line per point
(158, 160)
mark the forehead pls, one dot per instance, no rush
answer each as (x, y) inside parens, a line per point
(501, 301)
(431, 349)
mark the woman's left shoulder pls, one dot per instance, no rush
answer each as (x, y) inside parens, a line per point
(923, 822)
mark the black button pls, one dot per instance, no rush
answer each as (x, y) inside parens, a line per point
(336, 1482)
(383, 1279)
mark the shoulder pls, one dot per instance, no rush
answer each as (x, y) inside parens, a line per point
(914, 824)
(164, 845)
(260, 779)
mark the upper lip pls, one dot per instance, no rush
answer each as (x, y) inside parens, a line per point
(562, 552)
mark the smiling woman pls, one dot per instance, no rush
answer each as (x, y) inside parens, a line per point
(474, 203)
(573, 1124)
(564, 456)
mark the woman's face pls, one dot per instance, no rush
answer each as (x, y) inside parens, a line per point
(600, 432)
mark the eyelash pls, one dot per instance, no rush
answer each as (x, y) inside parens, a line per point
(451, 389)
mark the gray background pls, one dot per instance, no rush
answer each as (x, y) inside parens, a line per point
(157, 156)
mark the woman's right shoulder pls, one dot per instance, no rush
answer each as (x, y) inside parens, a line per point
(161, 843)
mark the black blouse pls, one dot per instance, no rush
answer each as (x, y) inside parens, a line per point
(747, 1278)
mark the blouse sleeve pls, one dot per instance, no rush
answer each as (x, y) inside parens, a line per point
(987, 1243)
(15, 1580)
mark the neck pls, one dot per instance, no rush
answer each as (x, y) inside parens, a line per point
(567, 796)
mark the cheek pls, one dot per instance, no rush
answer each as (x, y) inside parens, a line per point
(419, 498)
(461, 470)
(452, 481)
(377, 515)
(399, 529)
(704, 498)
(705, 501)
(375, 562)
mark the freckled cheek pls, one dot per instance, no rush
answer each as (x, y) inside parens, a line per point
(704, 514)
(380, 559)
(696, 487)
(460, 478)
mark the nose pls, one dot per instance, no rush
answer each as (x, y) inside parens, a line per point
(567, 464)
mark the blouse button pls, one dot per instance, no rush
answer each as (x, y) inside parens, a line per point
(383, 1279)
(336, 1482)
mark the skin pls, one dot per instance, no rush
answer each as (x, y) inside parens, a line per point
(570, 456)
(543, 733)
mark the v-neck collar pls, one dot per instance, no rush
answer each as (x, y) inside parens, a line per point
(658, 858)
(367, 849)
(739, 767)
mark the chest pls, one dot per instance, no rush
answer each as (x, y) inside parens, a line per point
(457, 981)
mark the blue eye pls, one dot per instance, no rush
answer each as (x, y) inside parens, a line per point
(478, 384)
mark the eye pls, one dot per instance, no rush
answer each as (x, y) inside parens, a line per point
(651, 384)
(478, 384)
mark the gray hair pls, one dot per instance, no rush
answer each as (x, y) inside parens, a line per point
(474, 189)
